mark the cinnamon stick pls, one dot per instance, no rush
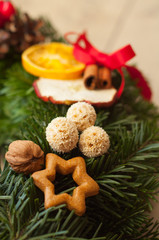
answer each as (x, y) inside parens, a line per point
(91, 76)
(104, 78)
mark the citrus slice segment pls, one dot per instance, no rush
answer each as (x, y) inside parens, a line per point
(52, 60)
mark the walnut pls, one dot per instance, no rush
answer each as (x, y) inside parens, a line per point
(25, 156)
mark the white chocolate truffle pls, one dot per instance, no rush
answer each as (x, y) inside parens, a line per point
(62, 134)
(82, 114)
(94, 142)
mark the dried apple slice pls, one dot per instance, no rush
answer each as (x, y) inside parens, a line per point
(70, 91)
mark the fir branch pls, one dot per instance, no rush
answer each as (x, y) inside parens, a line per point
(127, 174)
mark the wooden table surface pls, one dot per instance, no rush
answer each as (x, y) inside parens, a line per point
(110, 24)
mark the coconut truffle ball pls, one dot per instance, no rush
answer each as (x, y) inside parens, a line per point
(62, 134)
(82, 114)
(94, 142)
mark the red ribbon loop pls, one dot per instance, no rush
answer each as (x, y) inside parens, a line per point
(86, 53)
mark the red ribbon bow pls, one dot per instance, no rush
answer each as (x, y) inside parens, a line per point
(84, 52)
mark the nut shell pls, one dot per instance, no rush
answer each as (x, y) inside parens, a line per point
(25, 156)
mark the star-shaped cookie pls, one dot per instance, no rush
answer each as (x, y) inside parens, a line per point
(86, 185)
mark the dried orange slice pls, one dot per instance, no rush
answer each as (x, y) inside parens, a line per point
(52, 60)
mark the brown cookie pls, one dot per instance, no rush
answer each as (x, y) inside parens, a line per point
(86, 185)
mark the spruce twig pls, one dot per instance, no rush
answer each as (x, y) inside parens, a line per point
(127, 175)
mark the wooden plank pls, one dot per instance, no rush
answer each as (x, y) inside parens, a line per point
(97, 17)
(141, 29)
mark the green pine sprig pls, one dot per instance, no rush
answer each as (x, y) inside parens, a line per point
(127, 174)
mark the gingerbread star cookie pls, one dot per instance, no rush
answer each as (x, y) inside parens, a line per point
(86, 185)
